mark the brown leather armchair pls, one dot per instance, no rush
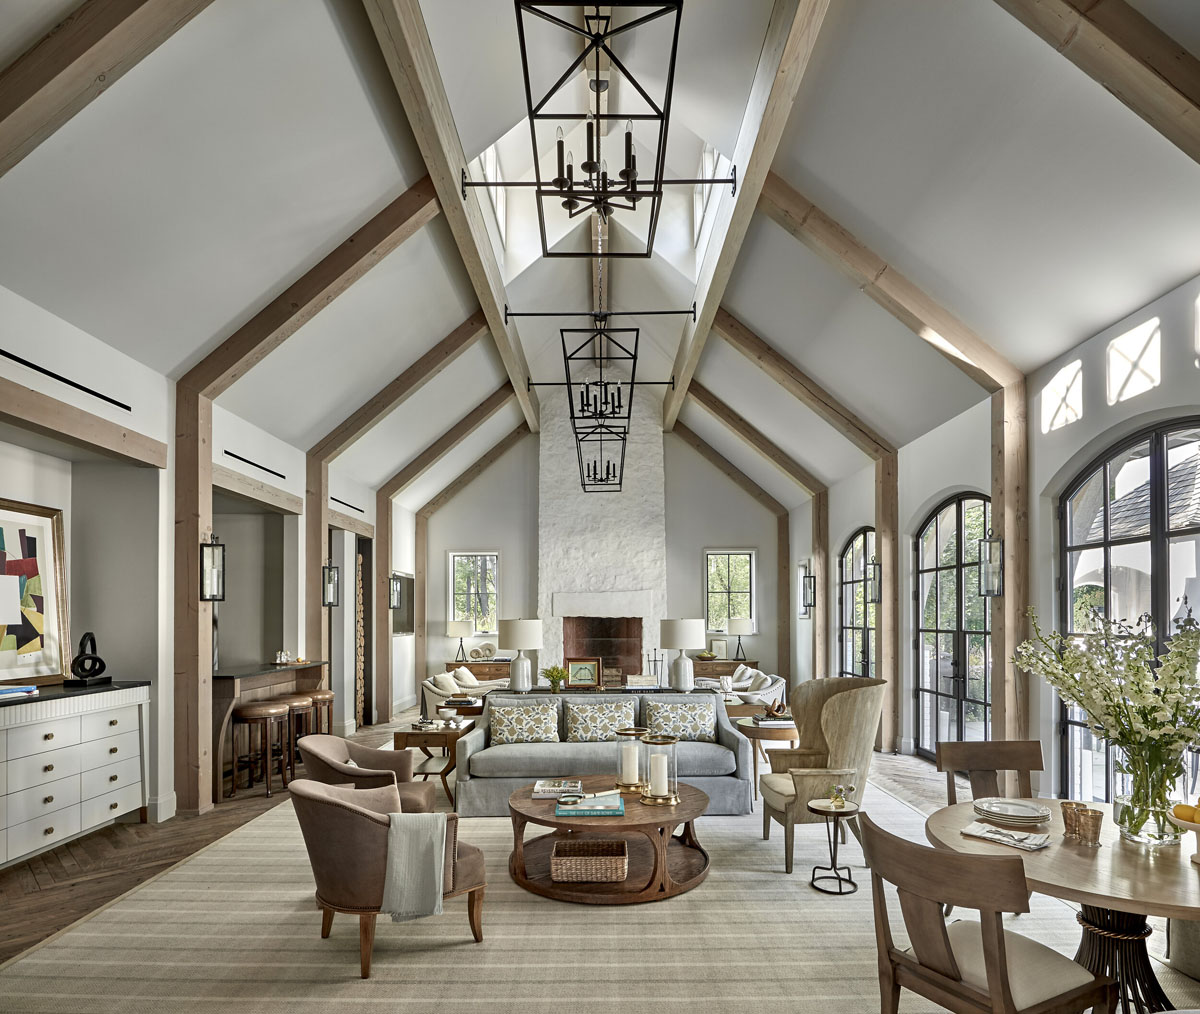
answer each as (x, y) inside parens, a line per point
(325, 760)
(346, 833)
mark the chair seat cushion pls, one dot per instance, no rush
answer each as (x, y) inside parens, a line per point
(777, 789)
(416, 797)
(468, 872)
(568, 760)
(260, 709)
(1035, 971)
(321, 695)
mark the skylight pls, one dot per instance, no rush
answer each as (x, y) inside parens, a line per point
(1134, 362)
(1062, 397)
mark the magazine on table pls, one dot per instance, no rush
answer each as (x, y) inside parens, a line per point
(602, 806)
(552, 788)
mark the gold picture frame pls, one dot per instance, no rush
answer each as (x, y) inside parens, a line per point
(583, 673)
(34, 649)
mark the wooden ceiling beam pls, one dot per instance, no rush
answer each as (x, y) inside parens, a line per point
(319, 286)
(787, 49)
(1128, 55)
(83, 56)
(916, 310)
(400, 28)
(756, 439)
(494, 454)
(728, 468)
(800, 386)
(342, 436)
(454, 435)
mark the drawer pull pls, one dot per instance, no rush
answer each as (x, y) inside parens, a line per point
(112, 778)
(48, 767)
(48, 736)
(112, 721)
(112, 749)
(112, 806)
(48, 830)
(48, 800)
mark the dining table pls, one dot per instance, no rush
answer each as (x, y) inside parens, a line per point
(1117, 886)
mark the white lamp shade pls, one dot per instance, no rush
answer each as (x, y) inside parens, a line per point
(10, 599)
(740, 627)
(681, 634)
(521, 634)
(459, 628)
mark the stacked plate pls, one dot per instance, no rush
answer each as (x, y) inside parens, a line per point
(1017, 812)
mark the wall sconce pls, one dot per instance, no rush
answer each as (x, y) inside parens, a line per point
(212, 570)
(874, 581)
(395, 592)
(808, 596)
(991, 566)
(330, 584)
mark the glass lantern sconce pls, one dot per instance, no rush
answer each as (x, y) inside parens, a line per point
(991, 566)
(395, 592)
(330, 584)
(212, 570)
(874, 581)
(808, 592)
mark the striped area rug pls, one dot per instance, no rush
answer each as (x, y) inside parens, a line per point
(235, 928)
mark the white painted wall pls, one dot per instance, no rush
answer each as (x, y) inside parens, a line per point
(250, 620)
(231, 433)
(352, 492)
(707, 510)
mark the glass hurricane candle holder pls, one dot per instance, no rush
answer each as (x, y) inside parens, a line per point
(662, 773)
(631, 759)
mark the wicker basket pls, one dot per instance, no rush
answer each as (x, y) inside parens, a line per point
(585, 861)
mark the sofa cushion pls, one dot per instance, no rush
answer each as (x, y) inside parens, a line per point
(742, 673)
(572, 760)
(444, 682)
(690, 720)
(464, 677)
(598, 722)
(759, 681)
(529, 724)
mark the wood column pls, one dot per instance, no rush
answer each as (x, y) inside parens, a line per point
(383, 612)
(887, 612)
(316, 550)
(420, 590)
(820, 571)
(1010, 520)
(783, 555)
(193, 618)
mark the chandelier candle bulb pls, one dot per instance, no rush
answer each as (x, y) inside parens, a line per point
(560, 146)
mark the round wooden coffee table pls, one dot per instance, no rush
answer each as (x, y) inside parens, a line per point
(661, 864)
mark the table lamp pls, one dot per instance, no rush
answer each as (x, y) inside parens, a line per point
(681, 634)
(740, 627)
(520, 634)
(460, 629)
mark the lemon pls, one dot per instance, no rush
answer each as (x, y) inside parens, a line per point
(1185, 812)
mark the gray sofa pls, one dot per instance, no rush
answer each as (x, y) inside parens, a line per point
(486, 775)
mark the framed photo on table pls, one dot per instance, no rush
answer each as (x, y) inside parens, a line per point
(719, 646)
(34, 634)
(583, 673)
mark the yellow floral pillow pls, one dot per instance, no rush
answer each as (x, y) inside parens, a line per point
(528, 724)
(693, 720)
(598, 723)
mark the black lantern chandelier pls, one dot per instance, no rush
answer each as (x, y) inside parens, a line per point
(592, 188)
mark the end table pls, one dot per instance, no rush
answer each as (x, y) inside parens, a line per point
(440, 736)
(845, 883)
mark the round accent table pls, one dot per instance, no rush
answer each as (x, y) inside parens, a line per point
(661, 864)
(757, 733)
(832, 873)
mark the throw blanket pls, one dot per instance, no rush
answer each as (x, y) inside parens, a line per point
(412, 885)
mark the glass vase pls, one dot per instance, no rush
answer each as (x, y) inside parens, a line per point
(1148, 775)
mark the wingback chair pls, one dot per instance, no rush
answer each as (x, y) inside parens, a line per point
(836, 721)
(327, 760)
(346, 833)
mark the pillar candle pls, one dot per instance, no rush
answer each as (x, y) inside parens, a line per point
(629, 763)
(658, 774)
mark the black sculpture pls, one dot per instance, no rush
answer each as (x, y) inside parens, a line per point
(88, 667)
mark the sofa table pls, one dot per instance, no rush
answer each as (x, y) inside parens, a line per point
(661, 864)
(443, 738)
(757, 733)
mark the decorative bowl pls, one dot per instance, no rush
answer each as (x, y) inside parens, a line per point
(445, 714)
(1185, 825)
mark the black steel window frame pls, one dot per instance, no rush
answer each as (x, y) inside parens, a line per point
(483, 562)
(729, 592)
(850, 584)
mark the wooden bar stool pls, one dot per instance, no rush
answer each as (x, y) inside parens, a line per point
(299, 722)
(265, 716)
(323, 708)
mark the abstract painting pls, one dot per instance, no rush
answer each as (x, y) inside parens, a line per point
(33, 604)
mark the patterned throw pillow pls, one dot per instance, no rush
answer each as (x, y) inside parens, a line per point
(696, 720)
(534, 724)
(598, 723)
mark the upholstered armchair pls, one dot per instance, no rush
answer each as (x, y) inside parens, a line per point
(436, 689)
(346, 833)
(327, 760)
(836, 721)
(766, 690)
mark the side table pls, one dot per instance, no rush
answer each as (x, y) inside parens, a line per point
(442, 737)
(832, 872)
(757, 733)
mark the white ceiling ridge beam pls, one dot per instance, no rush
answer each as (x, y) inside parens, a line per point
(903, 299)
(404, 40)
(1128, 55)
(474, 470)
(787, 51)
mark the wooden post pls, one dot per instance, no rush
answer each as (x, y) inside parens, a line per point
(783, 556)
(887, 612)
(820, 571)
(383, 612)
(316, 550)
(420, 604)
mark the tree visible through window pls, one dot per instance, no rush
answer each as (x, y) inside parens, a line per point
(857, 627)
(729, 586)
(473, 584)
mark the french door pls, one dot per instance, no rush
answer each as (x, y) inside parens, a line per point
(953, 643)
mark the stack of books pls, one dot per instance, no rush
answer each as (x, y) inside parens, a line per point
(552, 788)
(774, 721)
(598, 806)
(7, 693)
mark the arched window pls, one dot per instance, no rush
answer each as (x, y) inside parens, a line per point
(1129, 532)
(953, 625)
(856, 637)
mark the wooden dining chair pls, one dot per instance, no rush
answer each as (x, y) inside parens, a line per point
(983, 762)
(966, 966)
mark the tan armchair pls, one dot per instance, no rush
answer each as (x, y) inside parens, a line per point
(326, 757)
(346, 833)
(836, 721)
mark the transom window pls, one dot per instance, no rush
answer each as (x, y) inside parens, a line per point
(729, 586)
(856, 638)
(473, 589)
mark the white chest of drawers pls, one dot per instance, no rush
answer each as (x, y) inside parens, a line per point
(70, 763)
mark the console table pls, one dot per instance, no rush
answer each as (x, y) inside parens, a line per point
(239, 684)
(715, 668)
(486, 670)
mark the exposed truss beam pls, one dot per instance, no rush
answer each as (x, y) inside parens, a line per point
(756, 439)
(492, 455)
(728, 468)
(400, 28)
(820, 571)
(887, 611)
(319, 286)
(788, 46)
(97, 43)
(917, 311)
(801, 386)
(1128, 55)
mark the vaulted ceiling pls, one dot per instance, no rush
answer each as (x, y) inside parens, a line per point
(946, 136)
